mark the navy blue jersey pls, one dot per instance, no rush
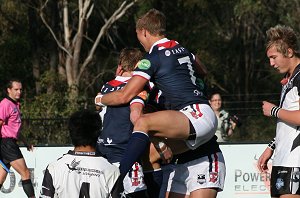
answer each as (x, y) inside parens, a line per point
(171, 68)
(117, 126)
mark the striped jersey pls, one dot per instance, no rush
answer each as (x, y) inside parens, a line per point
(287, 152)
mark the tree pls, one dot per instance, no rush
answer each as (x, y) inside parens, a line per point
(72, 34)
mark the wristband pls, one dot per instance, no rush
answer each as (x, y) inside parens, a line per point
(274, 111)
(99, 96)
(272, 145)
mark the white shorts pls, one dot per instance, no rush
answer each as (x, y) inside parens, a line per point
(134, 179)
(205, 172)
(204, 121)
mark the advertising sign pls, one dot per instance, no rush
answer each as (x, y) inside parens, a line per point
(243, 179)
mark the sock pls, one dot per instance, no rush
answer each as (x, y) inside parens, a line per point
(1, 186)
(136, 146)
(153, 181)
(28, 187)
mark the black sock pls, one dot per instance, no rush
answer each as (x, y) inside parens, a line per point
(28, 187)
(136, 146)
(153, 181)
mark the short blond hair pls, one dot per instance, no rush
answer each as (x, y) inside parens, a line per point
(153, 21)
(283, 38)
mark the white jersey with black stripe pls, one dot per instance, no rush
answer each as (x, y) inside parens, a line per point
(287, 152)
(79, 175)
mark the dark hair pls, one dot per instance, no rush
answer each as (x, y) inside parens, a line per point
(212, 93)
(84, 127)
(10, 82)
(129, 57)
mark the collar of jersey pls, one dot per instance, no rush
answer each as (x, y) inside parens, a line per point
(158, 42)
(12, 100)
(122, 78)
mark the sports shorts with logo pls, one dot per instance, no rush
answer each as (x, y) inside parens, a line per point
(204, 121)
(134, 179)
(285, 180)
(205, 172)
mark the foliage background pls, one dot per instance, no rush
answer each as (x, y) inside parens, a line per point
(228, 36)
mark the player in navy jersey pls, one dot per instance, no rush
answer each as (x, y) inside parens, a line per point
(188, 116)
(284, 54)
(118, 125)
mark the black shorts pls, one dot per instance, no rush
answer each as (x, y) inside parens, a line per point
(285, 180)
(10, 150)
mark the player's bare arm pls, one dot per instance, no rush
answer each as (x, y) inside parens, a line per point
(290, 116)
(136, 110)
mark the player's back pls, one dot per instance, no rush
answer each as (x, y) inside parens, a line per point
(80, 175)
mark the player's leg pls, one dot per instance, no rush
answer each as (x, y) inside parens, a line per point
(201, 193)
(3, 172)
(204, 193)
(13, 154)
(165, 123)
(199, 178)
(195, 123)
(152, 171)
(3, 175)
(168, 124)
(20, 166)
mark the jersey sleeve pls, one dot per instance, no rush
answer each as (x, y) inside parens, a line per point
(146, 67)
(4, 109)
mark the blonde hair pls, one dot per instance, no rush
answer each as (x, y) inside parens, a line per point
(153, 21)
(283, 38)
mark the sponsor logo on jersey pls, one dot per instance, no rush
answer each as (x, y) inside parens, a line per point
(144, 64)
(167, 53)
(72, 166)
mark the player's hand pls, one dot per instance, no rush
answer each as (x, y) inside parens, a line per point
(262, 162)
(266, 107)
(29, 147)
(166, 155)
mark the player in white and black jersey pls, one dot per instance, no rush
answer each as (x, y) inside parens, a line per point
(284, 55)
(80, 172)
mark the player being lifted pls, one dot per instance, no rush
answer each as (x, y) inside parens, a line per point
(188, 116)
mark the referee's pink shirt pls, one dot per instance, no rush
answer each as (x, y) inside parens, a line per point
(11, 116)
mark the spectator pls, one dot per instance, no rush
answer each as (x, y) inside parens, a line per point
(226, 126)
